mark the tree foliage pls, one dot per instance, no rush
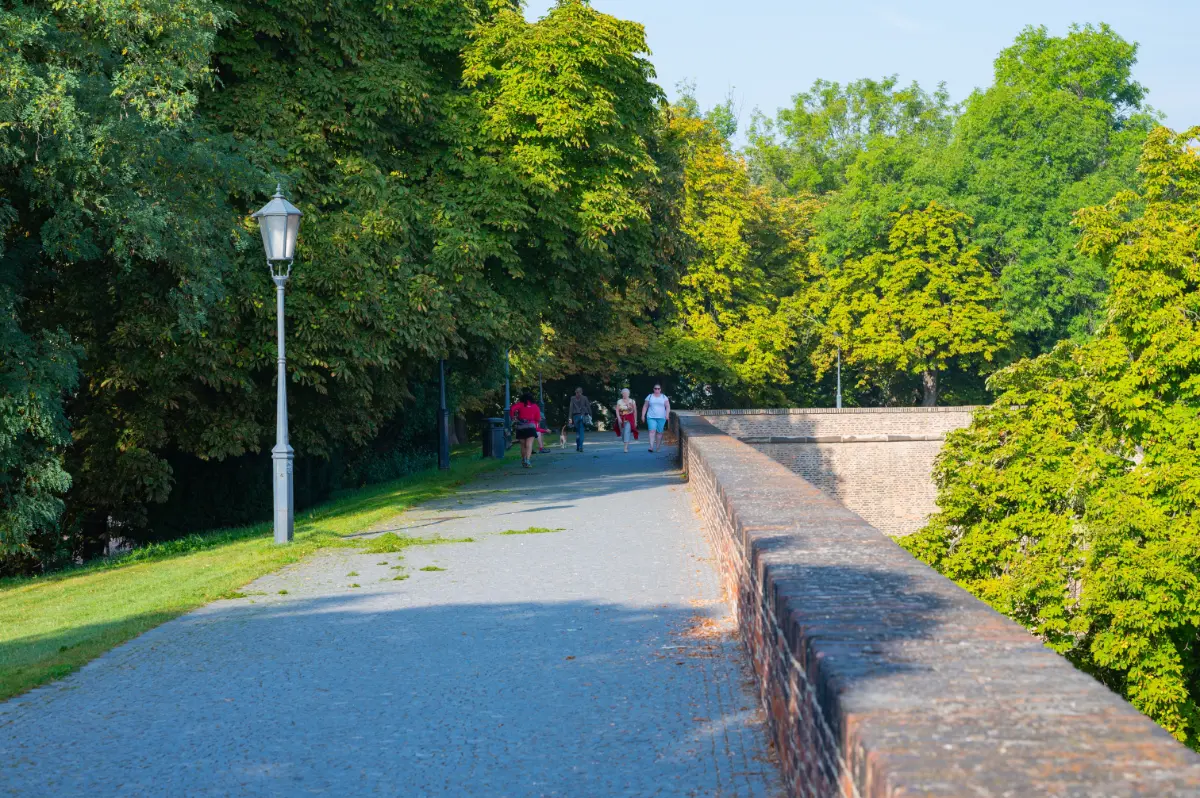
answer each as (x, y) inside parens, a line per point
(729, 313)
(917, 307)
(467, 177)
(118, 234)
(1071, 503)
(811, 147)
(1059, 130)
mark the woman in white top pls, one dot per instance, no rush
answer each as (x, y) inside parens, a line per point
(655, 412)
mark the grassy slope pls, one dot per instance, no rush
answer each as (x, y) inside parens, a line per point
(50, 626)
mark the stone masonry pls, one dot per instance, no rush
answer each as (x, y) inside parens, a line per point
(878, 461)
(883, 679)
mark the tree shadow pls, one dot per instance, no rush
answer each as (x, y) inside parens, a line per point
(367, 692)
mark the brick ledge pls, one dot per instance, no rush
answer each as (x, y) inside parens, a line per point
(881, 678)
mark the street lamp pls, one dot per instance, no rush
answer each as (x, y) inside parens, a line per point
(838, 337)
(839, 387)
(279, 223)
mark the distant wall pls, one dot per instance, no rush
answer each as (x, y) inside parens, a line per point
(878, 462)
(881, 678)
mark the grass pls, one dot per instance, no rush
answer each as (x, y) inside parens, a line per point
(390, 542)
(432, 568)
(51, 625)
(533, 530)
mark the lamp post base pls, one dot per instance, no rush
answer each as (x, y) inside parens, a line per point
(282, 458)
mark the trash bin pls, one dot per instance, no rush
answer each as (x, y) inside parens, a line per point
(493, 437)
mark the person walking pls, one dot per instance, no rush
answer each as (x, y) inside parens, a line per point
(655, 412)
(580, 412)
(626, 427)
(526, 416)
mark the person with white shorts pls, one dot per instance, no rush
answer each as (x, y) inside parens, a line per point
(655, 412)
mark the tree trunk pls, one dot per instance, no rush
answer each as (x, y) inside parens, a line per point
(929, 388)
(460, 429)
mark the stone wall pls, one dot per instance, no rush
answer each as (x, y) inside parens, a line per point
(881, 678)
(877, 461)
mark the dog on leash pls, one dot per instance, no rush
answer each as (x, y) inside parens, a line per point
(562, 436)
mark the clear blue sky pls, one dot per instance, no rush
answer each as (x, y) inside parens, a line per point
(767, 50)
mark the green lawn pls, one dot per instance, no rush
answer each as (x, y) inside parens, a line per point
(50, 626)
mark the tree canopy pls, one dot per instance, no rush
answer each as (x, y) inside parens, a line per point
(918, 306)
(446, 212)
(1071, 503)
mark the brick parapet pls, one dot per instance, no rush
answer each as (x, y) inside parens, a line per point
(828, 423)
(886, 477)
(883, 679)
(829, 411)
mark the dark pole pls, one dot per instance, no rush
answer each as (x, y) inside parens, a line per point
(839, 391)
(507, 401)
(443, 419)
(541, 396)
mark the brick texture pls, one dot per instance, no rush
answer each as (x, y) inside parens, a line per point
(881, 678)
(878, 462)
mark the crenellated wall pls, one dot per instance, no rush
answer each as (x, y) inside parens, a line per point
(883, 679)
(878, 461)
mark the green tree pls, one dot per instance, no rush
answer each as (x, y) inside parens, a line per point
(809, 148)
(117, 229)
(1059, 130)
(922, 304)
(35, 373)
(747, 254)
(1071, 503)
(458, 193)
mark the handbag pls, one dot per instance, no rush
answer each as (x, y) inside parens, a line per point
(587, 420)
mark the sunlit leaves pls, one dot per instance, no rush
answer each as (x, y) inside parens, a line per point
(1072, 504)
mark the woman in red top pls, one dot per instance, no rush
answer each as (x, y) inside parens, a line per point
(626, 426)
(526, 416)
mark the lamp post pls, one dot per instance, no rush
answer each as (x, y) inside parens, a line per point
(443, 419)
(839, 390)
(279, 223)
(838, 337)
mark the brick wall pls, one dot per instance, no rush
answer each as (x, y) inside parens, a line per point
(852, 421)
(883, 679)
(877, 461)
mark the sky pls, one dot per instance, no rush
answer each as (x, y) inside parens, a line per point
(765, 51)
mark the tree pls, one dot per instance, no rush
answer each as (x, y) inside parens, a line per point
(35, 374)
(1071, 503)
(1059, 130)
(808, 149)
(747, 253)
(920, 305)
(457, 194)
(117, 233)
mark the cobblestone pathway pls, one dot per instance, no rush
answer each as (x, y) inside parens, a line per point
(592, 661)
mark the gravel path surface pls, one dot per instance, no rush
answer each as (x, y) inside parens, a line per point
(592, 661)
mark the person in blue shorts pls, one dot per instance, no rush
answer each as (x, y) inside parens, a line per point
(655, 412)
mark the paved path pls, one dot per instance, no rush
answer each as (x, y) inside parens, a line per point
(592, 661)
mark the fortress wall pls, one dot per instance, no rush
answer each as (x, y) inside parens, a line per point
(878, 462)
